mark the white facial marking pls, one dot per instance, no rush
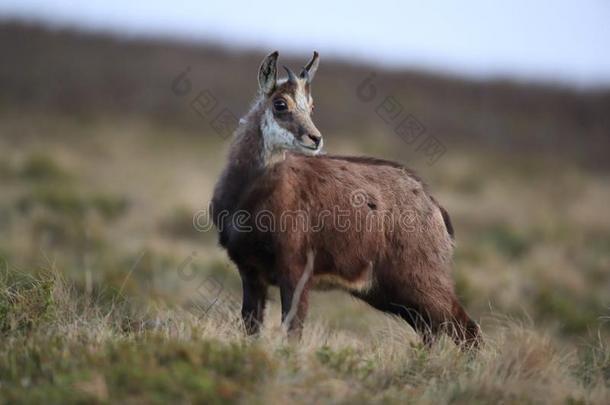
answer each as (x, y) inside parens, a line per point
(274, 135)
(301, 97)
(276, 138)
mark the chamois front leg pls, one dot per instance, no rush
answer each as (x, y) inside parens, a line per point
(294, 291)
(254, 300)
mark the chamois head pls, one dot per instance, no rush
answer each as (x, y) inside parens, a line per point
(287, 107)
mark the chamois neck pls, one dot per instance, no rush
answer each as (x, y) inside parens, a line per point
(247, 151)
(246, 161)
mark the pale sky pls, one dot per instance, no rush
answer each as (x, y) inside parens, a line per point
(551, 40)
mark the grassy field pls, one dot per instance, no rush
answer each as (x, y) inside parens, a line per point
(108, 294)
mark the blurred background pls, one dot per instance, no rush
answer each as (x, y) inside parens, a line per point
(104, 161)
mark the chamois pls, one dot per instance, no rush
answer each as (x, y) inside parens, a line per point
(365, 225)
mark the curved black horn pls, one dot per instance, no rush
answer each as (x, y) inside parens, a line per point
(312, 66)
(291, 76)
(305, 75)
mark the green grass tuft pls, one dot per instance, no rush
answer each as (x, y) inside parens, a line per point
(41, 167)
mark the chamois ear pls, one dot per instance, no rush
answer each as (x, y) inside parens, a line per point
(267, 73)
(309, 71)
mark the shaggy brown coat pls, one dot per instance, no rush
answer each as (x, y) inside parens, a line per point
(365, 225)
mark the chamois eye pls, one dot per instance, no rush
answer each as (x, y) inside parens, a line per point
(280, 105)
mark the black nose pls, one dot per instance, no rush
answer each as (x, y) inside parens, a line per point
(315, 138)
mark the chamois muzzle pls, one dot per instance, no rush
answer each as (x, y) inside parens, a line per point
(312, 141)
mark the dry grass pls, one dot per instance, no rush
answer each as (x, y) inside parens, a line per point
(106, 291)
(61, 346)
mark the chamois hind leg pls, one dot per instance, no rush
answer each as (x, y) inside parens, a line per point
(254, 300)
(418, 317)
(294, 278)
(428, 311)
(436, 313)
(462, 329)
(385, 300)
(438, 309)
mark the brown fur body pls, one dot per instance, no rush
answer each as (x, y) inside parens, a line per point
(370, 225)
(401, 267)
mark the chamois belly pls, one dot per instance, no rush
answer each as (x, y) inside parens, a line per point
(361, 281)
